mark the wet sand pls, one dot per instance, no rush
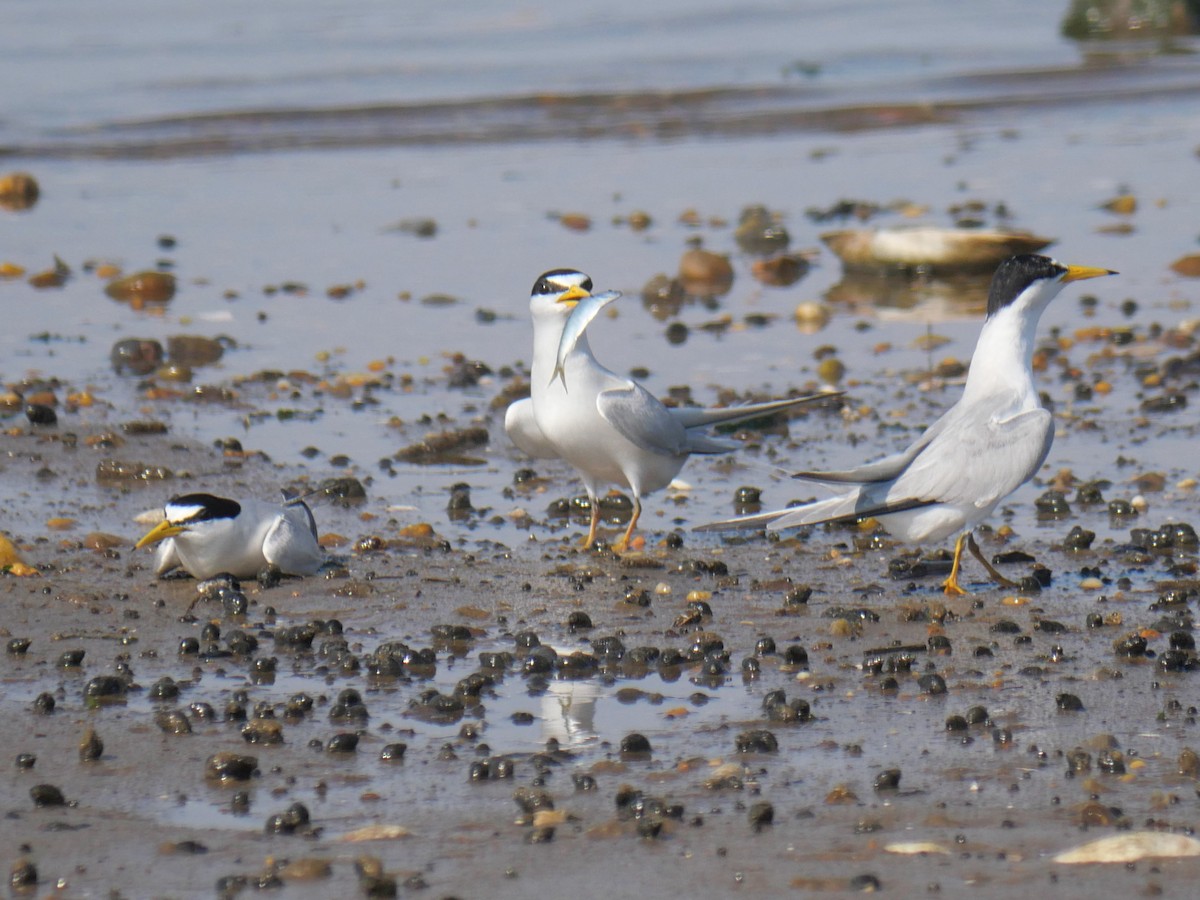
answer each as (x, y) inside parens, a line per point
(995, 799)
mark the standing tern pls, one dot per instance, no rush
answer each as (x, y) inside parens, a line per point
(206, 536)
(608, 427)
(982, 449)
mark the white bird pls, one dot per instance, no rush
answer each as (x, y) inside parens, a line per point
(207, 536)
(982, 449)
(608, 427)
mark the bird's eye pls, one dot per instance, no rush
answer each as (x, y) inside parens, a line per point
(587, 285)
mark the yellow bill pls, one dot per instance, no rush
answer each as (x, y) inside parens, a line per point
(159, 532)
(1079, 273)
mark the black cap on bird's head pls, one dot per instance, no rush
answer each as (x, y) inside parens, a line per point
(183, 511)
(186, 508)
(566, 285)
(1017, 273)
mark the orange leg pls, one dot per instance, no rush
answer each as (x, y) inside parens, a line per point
(951, 586)
(991, 570)
(594, 526)
(623, 544)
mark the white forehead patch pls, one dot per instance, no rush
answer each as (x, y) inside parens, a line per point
(182, 513)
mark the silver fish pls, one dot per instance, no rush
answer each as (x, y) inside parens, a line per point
(581, 316)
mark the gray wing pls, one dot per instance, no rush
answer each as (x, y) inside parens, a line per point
(844, 508)
(890, 467)
(697, 417)
(978, 463)
(967, 463)
(885, 469)
(291, 542)
(638, 416)
(522, 430)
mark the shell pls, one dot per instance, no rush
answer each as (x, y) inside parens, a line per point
(957, 249)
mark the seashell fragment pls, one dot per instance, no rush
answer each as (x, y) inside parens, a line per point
(927, 247)
(1130, 847)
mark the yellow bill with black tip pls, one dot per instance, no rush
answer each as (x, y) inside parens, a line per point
(1080, 273)
(159, 532)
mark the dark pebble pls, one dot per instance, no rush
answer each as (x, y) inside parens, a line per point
(1079, 539)
(230, 767)
(393, 752)
(797, 596)
(887, 780)
(451, 633)
(1130, 645)
(756, 741)
(1049, 626)
(635, 744)
(71, 659)
(45, 795)
(1068, 703)
(1052, 505)
(795, 655)
(24, 875)
(164, 689)
(1165, 403)
(1111, 762)
(579, 621)
(747, 496)
(342, 742)
(103, 688)
(978, 715)
(761, 815)
(172, 721)
(40, 414)
(932, 684)
(294, 818)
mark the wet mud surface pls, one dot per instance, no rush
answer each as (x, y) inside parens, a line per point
(823, 675)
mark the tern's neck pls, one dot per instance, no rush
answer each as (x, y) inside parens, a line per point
(1003, 360)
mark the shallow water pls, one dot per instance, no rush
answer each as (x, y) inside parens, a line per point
(283, 143)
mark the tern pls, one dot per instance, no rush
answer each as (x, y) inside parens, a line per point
(982, 449)
(608, 427)
(207, 535)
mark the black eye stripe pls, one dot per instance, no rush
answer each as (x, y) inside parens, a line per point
(207, 507)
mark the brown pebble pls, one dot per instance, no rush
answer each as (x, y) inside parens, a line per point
(308, 869)
(142, 288)
(841, 794)
(1189, 763)
(194, 350)
(91, 747)
(18, 191)
(1187, 266)
(705, 273)
(780, 271)
(1122, 205)
(575, 221)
